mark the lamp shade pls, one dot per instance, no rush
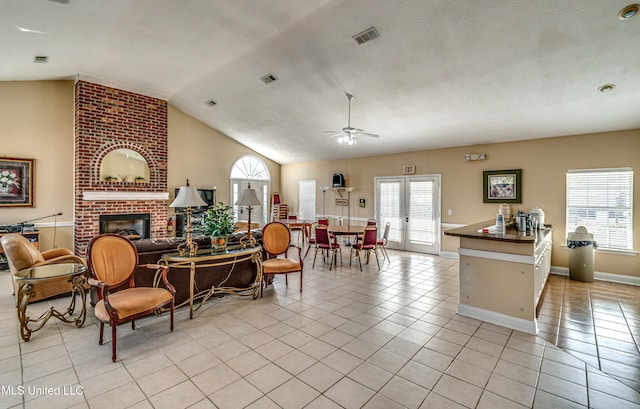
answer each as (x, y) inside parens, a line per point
(249, 197)
(188, 197)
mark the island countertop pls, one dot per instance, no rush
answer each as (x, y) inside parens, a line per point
(474, 231)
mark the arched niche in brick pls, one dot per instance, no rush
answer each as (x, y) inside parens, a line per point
(124, 177)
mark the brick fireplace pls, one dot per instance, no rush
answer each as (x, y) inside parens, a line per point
(107, 119)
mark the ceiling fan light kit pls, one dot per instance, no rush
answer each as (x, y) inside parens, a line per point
(348, 139)
(348, 134)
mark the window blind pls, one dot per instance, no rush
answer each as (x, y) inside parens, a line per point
(602, 201)
(307, 199)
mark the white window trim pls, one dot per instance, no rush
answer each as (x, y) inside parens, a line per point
(601, 248)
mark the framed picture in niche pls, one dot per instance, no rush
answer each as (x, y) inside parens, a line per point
(502, 186)
(16, 182)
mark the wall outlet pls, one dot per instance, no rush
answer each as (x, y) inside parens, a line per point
(450, 212)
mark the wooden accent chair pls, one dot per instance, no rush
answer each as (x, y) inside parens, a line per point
(22, 254)
(368, 244)
(112, 261)
(325, 243)
(276, 241)
(382, 243)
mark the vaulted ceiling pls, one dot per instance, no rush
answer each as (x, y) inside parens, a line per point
(442, 73)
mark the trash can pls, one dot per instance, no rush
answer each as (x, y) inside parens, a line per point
(581, 254)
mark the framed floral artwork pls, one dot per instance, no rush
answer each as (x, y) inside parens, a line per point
(502, 186)
(16, 182)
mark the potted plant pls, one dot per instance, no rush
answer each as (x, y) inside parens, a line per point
(218, 223)
(140, 179)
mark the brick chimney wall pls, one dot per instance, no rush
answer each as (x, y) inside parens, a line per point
(107, 119)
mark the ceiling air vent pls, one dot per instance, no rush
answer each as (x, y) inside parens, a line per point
(269, 78)
(211, 103)
(367, 35)
(43, 59)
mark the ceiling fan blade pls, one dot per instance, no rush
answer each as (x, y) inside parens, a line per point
(372, 135)
(336, 134)
(332, 131)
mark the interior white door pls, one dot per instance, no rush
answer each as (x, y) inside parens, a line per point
(258, 214)
(412, 205)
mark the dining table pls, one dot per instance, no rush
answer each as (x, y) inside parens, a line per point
(296, 225)
(346, 230)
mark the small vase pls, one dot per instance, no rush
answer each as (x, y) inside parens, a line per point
(218, 243)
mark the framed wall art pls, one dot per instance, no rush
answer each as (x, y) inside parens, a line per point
(16, 182)
(502, 186)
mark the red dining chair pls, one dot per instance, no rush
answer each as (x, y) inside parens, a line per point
(370, 222)
(382, 243)
(293, 218)
(311, 238)
(324, 243)
(368, 244)
(323, 221)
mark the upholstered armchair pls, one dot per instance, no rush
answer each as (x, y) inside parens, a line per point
(22, 254)
(112, 261)
(276, 241)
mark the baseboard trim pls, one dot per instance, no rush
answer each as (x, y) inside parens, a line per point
(519, 324)
(450, 254)
(601, 276)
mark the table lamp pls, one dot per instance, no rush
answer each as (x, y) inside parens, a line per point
(188, 197)
(249, 198)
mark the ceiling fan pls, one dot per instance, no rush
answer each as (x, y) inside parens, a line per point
(349, 134)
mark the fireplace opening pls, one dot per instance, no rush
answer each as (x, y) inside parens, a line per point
(133, 225)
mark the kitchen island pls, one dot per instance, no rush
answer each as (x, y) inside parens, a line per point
(502, 276)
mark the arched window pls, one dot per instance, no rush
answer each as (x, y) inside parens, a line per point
(250, 169)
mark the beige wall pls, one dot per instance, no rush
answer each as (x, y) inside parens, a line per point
(205, 156)
(36, 122)
(543, 163)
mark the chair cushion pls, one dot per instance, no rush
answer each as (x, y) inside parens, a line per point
(330, 247)
(280, 266)
(132, 301)
(360, 246)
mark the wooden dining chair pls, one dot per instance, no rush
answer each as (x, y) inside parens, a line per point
(112, 261)
(276, 241)
(324, 243)
(368, 244)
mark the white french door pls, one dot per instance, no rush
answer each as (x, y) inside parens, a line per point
(258, 213)
(412, 205)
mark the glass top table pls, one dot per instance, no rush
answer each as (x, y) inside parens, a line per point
(50, 271)
(71, 272)
(208, 257)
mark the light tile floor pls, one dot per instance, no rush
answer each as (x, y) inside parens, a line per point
(598, 322)
(372, 339)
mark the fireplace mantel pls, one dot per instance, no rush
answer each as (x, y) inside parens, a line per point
(120, 195)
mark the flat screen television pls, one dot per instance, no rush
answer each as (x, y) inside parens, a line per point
(208, 195)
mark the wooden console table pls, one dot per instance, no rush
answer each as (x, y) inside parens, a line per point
(210, 258)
